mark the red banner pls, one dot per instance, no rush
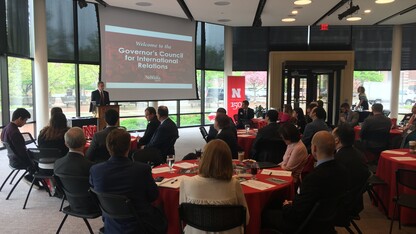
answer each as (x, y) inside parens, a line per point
(235, 93)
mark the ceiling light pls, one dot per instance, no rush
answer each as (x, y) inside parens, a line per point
(367, 11)
(354, 18)
(383, 1)
(294, 12)
(302, 2)
(144, 4)
(288, 19)
(222, 3)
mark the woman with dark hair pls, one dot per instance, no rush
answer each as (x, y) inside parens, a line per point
(286, 115)
(296, 153)
(214, 183)
(299, 119)
(52, 136)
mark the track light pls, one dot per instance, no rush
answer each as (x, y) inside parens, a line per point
(82, 3)
(348, 12)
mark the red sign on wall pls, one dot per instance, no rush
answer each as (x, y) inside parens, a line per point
(235, 93)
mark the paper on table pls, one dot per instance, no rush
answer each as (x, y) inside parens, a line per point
(404, 158)
(394, 152)
(257, 184)
(160, 170)
(185, 165)
(276, 172)
(173, 182)
(244, 135)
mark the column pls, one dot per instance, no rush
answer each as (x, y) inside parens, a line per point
(41, 65)
(228, 59)
(396, 54)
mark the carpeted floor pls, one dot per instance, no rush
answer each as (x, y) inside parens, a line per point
(42, 216)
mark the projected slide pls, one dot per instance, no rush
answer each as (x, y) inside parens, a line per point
(147, 61)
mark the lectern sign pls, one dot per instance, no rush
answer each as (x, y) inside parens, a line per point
(235, 93)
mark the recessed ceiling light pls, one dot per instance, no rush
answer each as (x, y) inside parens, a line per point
(294, 12)
(224, 20)
(144, 4)
(302, 2)
(384, 1)
(288, 19)
(222, 3)
(367, 11)
(354, 18)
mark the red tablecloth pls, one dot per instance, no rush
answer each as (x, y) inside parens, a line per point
(386, 169)
(133, 144)
(393, 132)
(256, 200)
(259, 123)
(246, 140)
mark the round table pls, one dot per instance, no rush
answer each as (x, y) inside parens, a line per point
(256, 199)
(133, 144)
(246, 140)
(393, 132)
(386, 170)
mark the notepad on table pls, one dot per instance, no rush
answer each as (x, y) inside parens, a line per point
(185, 165)
(395, 152)
(404, 158)
(160, 170)
(257, 184)
(173, 182)
(276, 172)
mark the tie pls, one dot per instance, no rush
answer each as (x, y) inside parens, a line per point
(101, 99)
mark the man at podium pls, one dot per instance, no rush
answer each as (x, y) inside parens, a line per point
(99, 97)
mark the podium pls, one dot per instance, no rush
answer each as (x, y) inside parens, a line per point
(101, 115)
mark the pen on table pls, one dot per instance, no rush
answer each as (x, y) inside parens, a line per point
(174, 181)
(270, 173)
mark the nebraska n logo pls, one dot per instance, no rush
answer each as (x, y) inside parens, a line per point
(236, 93)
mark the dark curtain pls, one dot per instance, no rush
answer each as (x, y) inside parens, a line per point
(17, 12)
(250, 49)
(335, 38)
(409, 47)
(88, 35)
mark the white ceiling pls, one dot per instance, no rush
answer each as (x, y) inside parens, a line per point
(242, 12)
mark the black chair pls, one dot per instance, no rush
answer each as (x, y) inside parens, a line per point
(386, 113)
(116, 206)
(374, 197)
(404, 178)
(150, 156)
(15, 170)
(270, 150)
(405, 119)
(212, 218)
(81, 204)
(29, 138)
(45, 159)
(204, 133)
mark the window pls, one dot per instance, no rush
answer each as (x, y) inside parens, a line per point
(62, 87)
(88, 78)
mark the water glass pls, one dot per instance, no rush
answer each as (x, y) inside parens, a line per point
(170, 159)
(247, 127)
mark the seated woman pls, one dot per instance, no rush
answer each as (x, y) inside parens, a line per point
(214, 184)
(296, 153)
(299, 119)
(52, 136)
(286, 115)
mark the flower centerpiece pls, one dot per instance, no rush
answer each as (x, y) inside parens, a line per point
(259, 111)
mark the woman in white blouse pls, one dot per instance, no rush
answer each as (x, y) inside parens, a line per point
(214, 185)
(296, 153)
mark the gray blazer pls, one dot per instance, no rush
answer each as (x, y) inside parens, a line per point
(351, 118)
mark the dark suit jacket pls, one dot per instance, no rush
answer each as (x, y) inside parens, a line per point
(310, 130)
(212, 133)
(97, 152)
(119, 175)
(328, 180)
(150, 130)
(270, 132)
(375, 132)
(162, 139)
(230, 138)
(73, 164)
(353, 160)
(351, 118)
(244, 118)
(95, 96)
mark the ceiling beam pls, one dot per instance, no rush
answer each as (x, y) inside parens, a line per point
(407, 10)
(186, 10)
(257, 18)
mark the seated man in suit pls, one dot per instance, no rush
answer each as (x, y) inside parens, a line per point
(99, 96)
(245, 114)
(119, 175)
(375, 130)
(328, 180)
(97, 152)
(353, 160)
(166, 134)
(153, 124)
(212, 133)
(225, 133)
(347, 116)
(318, 116)
(269, 132)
